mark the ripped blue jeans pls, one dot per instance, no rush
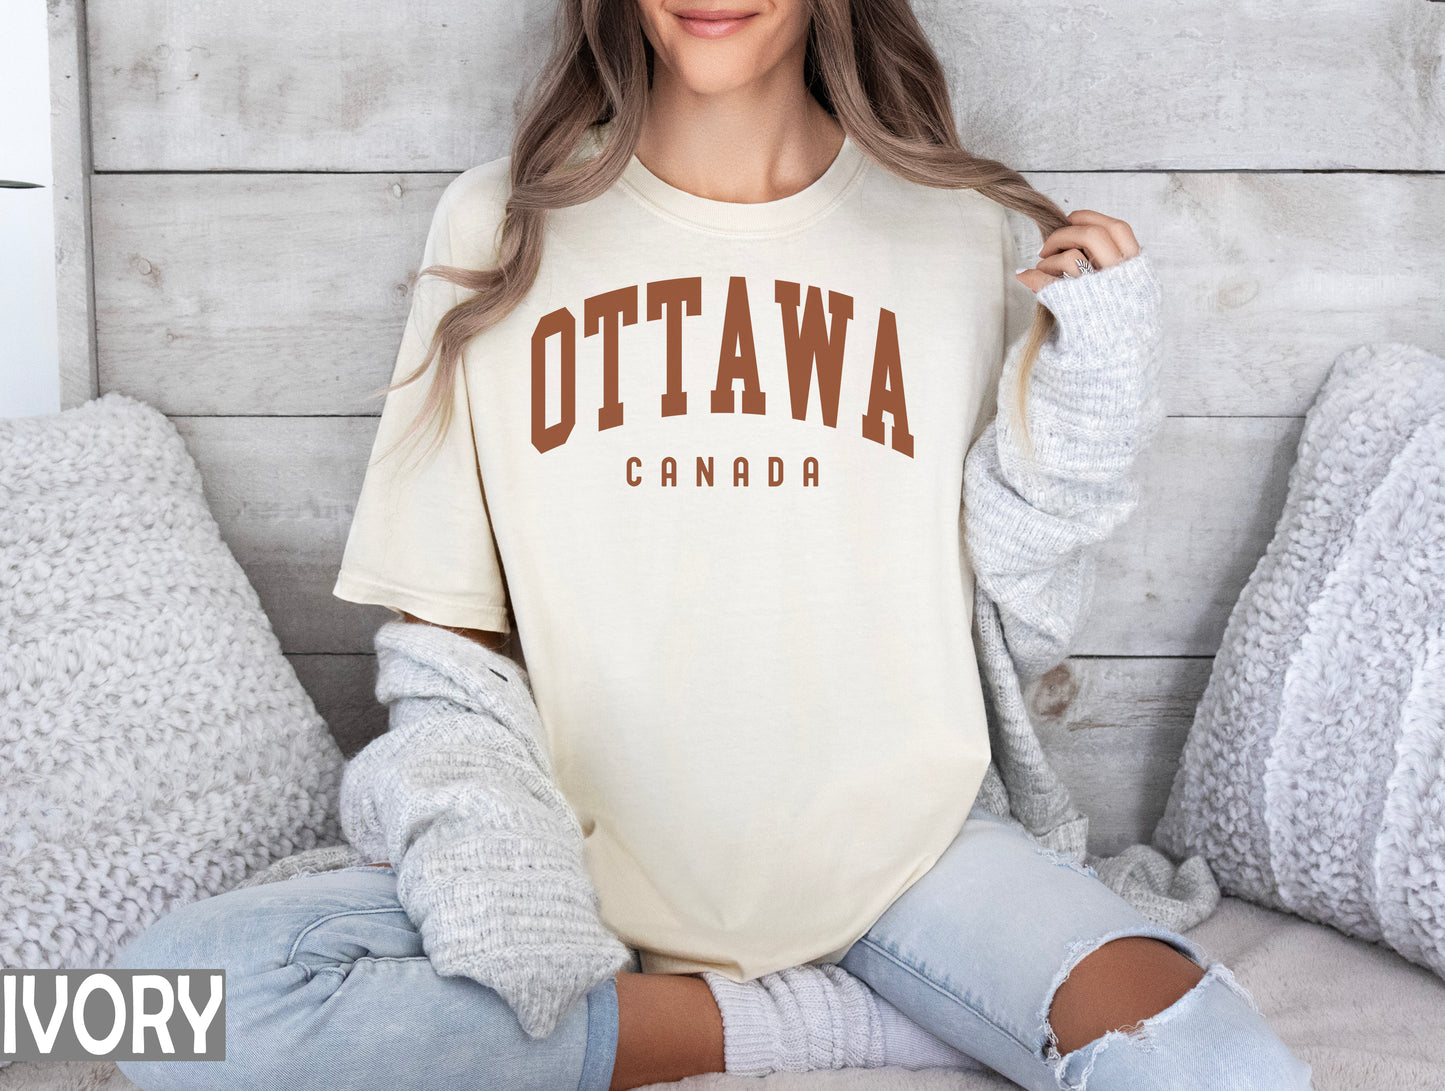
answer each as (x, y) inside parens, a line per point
(328, 986)
(975, 950)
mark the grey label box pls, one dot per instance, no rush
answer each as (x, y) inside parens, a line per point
(117, 1015)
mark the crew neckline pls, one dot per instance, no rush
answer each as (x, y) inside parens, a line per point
(796, 210)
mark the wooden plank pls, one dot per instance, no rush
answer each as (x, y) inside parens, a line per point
(372, 85)
(1213, 489)
(256, 293)
(266, 293)
(1267, 278)
(283, 490)
(331, 85)
(70, 169)
(1114, 730)
(343, 688)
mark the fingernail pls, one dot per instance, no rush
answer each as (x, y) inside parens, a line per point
(1022, 269)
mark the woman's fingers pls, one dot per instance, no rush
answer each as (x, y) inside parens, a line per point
(1063, 264)
(1093, 241)
(1034, 279)
(1066, 263)
(1104, 240)
(1098, 239)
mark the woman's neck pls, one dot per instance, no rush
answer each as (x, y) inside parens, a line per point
(759, 143)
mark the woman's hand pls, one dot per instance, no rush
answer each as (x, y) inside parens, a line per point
(1102, 240)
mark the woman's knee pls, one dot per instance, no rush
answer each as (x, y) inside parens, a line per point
(194, 935)
(1118, 984)
(1211, 1033)
(255, 929)
(272, 944)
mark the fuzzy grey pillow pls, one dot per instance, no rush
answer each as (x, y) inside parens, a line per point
(156, 746)
(1313, 778)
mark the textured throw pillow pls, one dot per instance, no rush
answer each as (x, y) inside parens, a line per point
(155, 745)
(1313, 778)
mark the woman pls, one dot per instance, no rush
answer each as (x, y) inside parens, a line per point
(751, 240)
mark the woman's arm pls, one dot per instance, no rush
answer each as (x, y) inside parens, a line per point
(458, 794)
(1032, 522)
(487, 638)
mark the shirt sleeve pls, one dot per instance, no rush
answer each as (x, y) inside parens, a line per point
(421, 537)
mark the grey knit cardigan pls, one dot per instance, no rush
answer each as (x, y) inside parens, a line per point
(459, 796)
(1031, 525)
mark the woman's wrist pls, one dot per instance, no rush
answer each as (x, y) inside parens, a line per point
(1098, 312)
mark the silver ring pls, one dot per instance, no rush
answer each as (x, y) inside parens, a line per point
(1085, 266)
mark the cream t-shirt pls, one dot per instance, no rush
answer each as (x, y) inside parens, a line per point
(711, 467)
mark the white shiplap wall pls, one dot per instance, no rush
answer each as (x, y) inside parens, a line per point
(29, 352)
(264, 174)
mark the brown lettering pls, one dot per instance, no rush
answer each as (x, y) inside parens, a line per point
(813, 341)
(670, 296)
(608, 312)
(885, 392)
(560, 322)
(738, 357)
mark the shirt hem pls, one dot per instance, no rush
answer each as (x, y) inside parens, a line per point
(488, 616)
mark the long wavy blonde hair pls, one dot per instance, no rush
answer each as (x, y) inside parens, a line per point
(868, 63)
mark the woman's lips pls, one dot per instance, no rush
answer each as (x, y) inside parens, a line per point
(703, 23)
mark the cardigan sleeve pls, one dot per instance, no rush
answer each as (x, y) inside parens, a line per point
(459, 796)
(1032, 522)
